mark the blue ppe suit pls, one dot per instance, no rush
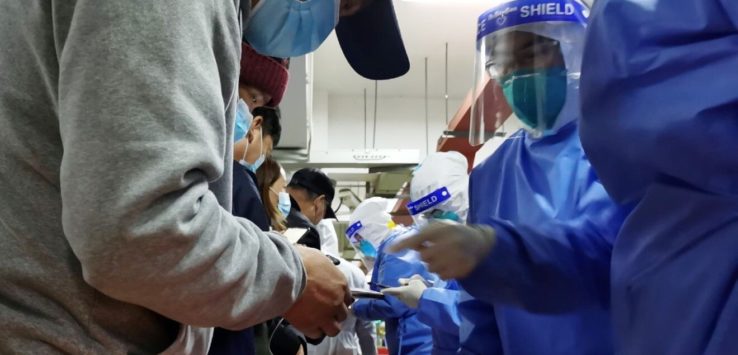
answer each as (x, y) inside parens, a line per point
(546, 279)
(438, 308)
(660, 121)
(405, 334)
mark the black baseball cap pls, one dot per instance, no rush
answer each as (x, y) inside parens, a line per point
(371, 42)
(317, 182)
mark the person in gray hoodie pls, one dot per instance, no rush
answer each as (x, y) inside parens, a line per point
(116, 125)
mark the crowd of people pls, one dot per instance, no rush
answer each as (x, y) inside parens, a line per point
(144, 211)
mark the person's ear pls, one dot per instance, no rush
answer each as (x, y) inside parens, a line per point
(320, 205)
(255, 123)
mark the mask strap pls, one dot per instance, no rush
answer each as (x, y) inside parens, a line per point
(261, 138)
(245, 150)
(261, 148)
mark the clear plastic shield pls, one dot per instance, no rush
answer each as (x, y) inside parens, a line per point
(364, 249)
(527, 66)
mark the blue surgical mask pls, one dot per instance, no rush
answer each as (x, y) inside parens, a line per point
(536, 95)
(257, 164)
(284, 204)
(253, 167)
(367, 249)
(366, 252)
(243, 120)
(290, 28)
(446, 215)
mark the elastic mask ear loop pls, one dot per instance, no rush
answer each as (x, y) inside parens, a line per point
(245, 150)
(261, 139)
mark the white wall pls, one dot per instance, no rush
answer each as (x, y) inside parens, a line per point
(295, 105)
(320, 121)
(400, 122)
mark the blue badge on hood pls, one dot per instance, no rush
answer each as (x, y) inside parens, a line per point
(516, 13)
(352, 229)
(429, 201)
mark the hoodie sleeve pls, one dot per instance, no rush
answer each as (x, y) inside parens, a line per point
(143, 91)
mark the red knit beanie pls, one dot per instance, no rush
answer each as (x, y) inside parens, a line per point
(263, 73)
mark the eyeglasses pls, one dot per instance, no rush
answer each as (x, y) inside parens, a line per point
(539, 52)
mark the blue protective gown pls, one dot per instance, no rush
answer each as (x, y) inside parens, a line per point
(660, 125)
(438, 308)
(547, 276)
(405, 334)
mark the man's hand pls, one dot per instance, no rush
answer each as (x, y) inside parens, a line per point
(451, 250)
(410, 292)
(323, 304)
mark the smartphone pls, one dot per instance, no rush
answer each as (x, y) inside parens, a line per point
(362, 293)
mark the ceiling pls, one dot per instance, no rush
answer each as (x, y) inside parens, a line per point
(426, 26)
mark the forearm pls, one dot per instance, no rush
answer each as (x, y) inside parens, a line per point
(143, 123)
(555, 272)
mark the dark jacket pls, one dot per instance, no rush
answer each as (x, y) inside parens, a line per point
(247, 204)
(275, 336)
(296, 219)
(246, 198)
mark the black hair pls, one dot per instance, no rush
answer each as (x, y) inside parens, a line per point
(313, 175)
(310, 195)
(270, 122)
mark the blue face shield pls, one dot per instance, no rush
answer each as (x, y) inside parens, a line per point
(366, 250)
(528, 63)
(290, 28)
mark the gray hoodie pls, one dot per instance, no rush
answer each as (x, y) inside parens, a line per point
(116, 124)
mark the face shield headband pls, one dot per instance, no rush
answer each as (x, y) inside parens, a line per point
(425, 207)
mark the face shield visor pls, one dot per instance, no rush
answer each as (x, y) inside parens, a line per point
(527, 66)
(364, 240)
(369, 225)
